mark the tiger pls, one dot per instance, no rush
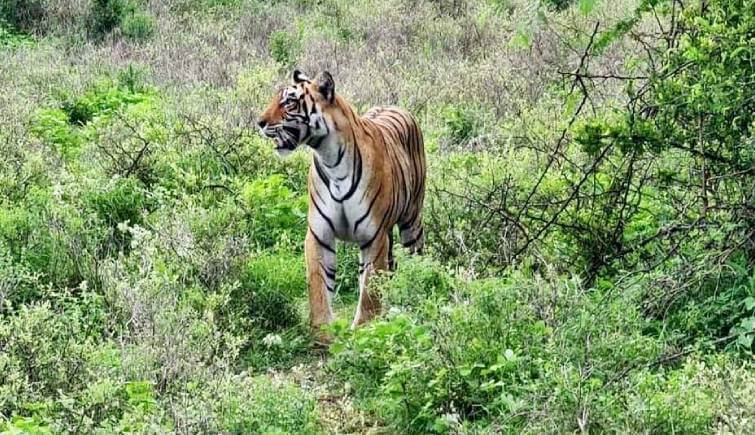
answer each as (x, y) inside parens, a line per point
(367, 176)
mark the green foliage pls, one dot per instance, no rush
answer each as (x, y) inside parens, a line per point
(274, 211)
(461, 124)
(11, 39)
(488, 349)
(61, 127)
(53, 127)
(103, 99)
(559, 5)
(123, 201)
(138, 26)
(107, 15)
(23, 15)
(245, 404)
(284, 47)
(269, 288)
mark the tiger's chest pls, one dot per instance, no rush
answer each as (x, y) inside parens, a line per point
(350, 219)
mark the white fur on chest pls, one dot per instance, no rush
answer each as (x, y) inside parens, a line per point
(349, 218)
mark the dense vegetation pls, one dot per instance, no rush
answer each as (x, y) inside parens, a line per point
(590, 218)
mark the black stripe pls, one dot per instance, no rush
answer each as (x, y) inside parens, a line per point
(355, 178)
(304, 106)
(414, 240)
(327, 219)
(404, 226)
(374, 236)
(321, 243)
(318, 141)
(341, 153)
(322, 174)
(330, 274)
(369, 208)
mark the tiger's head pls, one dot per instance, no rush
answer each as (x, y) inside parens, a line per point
(297, 113)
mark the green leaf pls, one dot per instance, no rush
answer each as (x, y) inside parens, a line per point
(586, 6)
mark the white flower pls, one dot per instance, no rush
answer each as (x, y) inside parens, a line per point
(123, 226)
(451, 418)
(271, 340)
(57, 191)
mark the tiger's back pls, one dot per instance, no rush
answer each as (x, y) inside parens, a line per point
(404, 146)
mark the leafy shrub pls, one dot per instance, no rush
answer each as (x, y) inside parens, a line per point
(418, 279)
(274, 210)
(11, 38)
(269, 288)
(122, 201)
(461, 124)
(53, 127)
(126, 139)
(284, 47)
(103, 99)
(34, 246)
(246, 404)
(486, 350)
(45, 349)
(138, 26)
(23, 15)
(106, 15)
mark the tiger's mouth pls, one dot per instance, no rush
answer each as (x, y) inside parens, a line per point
(284, 145)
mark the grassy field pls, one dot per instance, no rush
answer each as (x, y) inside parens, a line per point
(589, 218)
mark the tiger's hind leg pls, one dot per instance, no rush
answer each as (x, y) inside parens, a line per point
(413, 235)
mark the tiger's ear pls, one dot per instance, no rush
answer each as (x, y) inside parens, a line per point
(326, 86)
(299, 77)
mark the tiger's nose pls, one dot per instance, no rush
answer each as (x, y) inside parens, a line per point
(262, 123)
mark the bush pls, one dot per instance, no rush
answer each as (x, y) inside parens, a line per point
(53, 127)
(46, 351)
(23, 15)
(284, 47)
(29, 235)
(138, 26)
(246, 404)
(486, 350)
(106, 15)
(122, 201)
(104, 98)
(270, 286)
(274, 212)
(11, 38)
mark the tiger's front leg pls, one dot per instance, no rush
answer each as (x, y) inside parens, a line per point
(373, 258)
(321, 277)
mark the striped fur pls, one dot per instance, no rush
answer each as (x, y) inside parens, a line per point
(367, 176)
